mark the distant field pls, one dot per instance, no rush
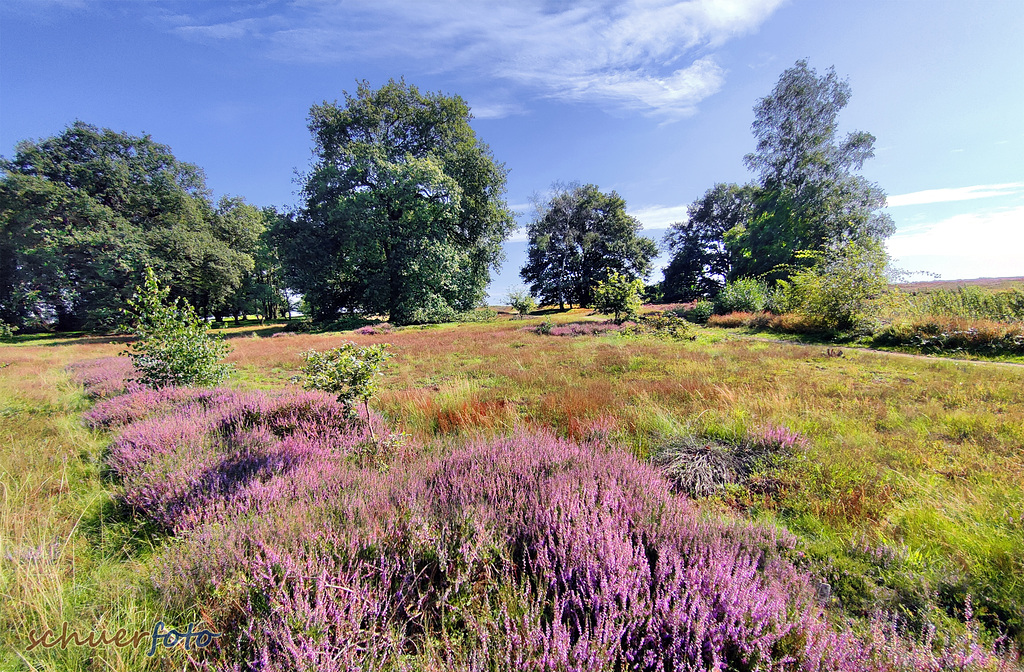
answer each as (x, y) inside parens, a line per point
(984, 283)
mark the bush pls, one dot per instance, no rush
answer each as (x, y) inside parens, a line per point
(729, 321)
(172, 346)
(744, 295)
(701, 311)
(618, 296)
(838, 290)
(348, 371)
(661, 325)
(973, 303)
(951, 335)
(522, 302)
(7, 331)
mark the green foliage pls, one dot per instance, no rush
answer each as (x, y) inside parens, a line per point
(578, 238)
(349, 371)
(522, 302)
(839, 289)
(700, 312)
(972, 303)
(172, 346)
(82, 211)
(953, 335)
(744, 295)
(403, 209)
(618, 295)
(808, 197)
(661, 325)
(700, 261)
(7, 330)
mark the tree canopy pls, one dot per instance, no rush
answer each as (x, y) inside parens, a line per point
(404, 211)
(82, 214)
(807, 195)
(578, 239)
(699, 260)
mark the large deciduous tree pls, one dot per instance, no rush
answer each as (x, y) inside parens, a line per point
(82, 214)
(809, 197)
(579, 237)
(699, 261)
(404, 211)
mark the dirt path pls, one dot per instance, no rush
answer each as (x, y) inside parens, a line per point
(889, 353)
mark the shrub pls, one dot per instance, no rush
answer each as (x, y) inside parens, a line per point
(374, 329)
(619, 296)
(172, 346)
(700, 312)
(943, 334)
(729, 321)
(348, 371)
(838, 290)
(743, 295)
(522, 302)
(661, 325)
(7, 331)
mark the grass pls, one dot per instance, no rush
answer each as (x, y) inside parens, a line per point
(908, 495)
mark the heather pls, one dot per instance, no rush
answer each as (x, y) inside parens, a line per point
(523, 552)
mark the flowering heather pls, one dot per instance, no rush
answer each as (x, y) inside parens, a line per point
(188, 449)
(104, 377)
(523, 553)
(574, 329)
(374, 329)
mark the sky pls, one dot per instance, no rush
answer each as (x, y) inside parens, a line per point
(651, 98)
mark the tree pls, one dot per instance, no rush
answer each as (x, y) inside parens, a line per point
(83, 213)
(577, 240)
(172, 346)
(809, 197)
(699, 260)
(619, 296)
(404, 211)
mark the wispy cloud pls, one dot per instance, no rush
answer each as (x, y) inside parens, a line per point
(955, 194)
(660, 216)
(653, 56)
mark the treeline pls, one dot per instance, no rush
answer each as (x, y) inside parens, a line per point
(403, 214)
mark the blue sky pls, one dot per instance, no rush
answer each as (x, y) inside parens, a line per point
(651, 98)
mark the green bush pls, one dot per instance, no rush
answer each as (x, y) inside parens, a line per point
(7, 331)
(701, 311)
(172, 346)
(744, 295)
(839, 289)
(522, 302)
(349, 371)
(618, 296)
(973, 303)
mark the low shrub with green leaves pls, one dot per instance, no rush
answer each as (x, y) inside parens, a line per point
(349, 371)
(619, 296)
(743, 295)
(172, 347)
(522, 302)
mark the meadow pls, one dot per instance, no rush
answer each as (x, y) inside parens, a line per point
(887, 531)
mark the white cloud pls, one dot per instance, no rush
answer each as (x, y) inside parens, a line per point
(974, 244)
(955, 194)
(660, 216)
(633, 55)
